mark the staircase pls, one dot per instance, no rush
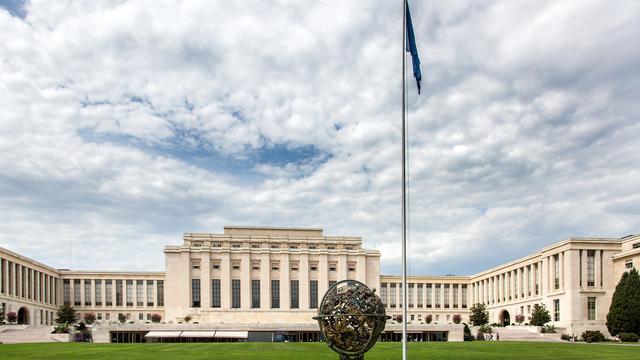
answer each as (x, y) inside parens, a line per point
(24, 334)
(523, 333)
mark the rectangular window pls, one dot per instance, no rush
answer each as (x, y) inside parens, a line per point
(464, 296)
(255, 294)
(446, 295)
(384, 294)
(556, 272)
(437, 295)
(580, 266)
(529, 280)
(636, 245)
(628, 264)
(400, 290)
(275, 294)
(2, 271)
(313, 294)
(215, 293)
(295, 304)
(149, 292)
(118, 292)
(591, 308)
(215, 265)
(76, 292)
(410, 294)
(139, 293)
(275, 266)
(522, 282)
(556, 310)
(66, 292)
(536, 279)
(98, 292)
(455, 295)
(140, 316)
(87, 293)
(129, 292)
(429, 296)
(108, 292)
(420, 295)
(160, 292)
(591, 268)
(195, 293)
(235, 294)
(392, 295)
(195, 264)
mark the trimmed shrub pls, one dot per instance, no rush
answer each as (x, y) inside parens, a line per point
(485, 329)
(520, 319)
(539, 315)
(628, 337)
(428, 319)
(457, 319)
(467, 333)
(624, 312)
(122, 318)
(548, 329)
(565, 337)
(12, 317)
(187, 318)
(592, 336)
(156, 318)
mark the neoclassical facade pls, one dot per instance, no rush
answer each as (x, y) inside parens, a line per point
(262, 282)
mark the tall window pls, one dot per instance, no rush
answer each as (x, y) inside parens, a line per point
(255, 294)
(275, 294)
(522, 285)
(429, 296)
(139, 293)
(160, 292)
(420, 295)
(215, 293)
(118, 292)
(529, 280)
(295, 295)
(464, 296)
(108, 292)
(87, 292)
(129, 292)
(313, 294)
(446, 295)
(410, 291)
(384, 294)
(591, 308)
(195, 293)
(556, 262)
(536, 279)
(556, 310)
(2, 282)
(149, 292)
(66, 292)
(235, 293)
(580, 266)
(455, 295)
(392, 295)
(76, 292)
(98, 294)
(437, 295)
(591, 268)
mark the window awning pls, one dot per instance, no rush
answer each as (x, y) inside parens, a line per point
(232, 334)
(163, 334)
(197, 334)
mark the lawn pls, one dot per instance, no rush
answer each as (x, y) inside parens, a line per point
(312, 351)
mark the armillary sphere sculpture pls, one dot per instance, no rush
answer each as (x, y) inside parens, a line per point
(351, 317)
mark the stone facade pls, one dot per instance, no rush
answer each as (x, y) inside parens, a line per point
(266, 276)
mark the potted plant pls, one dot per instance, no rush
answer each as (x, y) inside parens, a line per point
(156, 318)
(12, 317)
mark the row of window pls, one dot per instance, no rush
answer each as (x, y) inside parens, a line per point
(236, 299)
(520, 282)
(237, 245)
(27, 283)
(93, 292)
(275, 265)
(437, 295)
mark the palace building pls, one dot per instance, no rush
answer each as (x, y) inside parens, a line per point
(266, 283)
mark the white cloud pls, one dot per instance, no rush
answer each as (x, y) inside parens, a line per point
(125, 123)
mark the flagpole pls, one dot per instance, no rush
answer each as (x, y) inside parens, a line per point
(404, 185)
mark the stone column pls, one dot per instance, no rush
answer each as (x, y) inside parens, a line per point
(303, 277)
(342, 267)
(285, 282)
(205, 280)
(265, 281)
(361, 270)
(225, 280)
(245, 280)
(323, 276)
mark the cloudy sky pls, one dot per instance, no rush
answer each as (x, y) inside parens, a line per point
(124, 124)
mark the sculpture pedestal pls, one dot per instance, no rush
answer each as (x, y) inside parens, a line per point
(354, 357)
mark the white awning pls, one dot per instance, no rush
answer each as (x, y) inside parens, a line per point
(197, 334)
(163, 334)
(232, 334)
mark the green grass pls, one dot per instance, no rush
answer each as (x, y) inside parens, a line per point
(313, 351)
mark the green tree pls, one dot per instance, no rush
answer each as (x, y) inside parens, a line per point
(66, 314)
(624, 312)
(122, 318)
(1, 315)
(539, 315)
(479, 315)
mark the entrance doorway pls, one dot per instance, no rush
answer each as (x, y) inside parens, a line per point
(505, 319)
(23, 316)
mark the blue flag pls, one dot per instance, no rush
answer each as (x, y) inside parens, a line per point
(411, 47)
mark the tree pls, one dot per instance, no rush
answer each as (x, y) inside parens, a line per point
(122, 318)
(520, 319)
(479, 315)
(624, 312)
(12, 317)
(457, 319)
(428, 319)
(66, 314)
(90, 318)
(539, 315)
(156, 318)
(1, 315)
